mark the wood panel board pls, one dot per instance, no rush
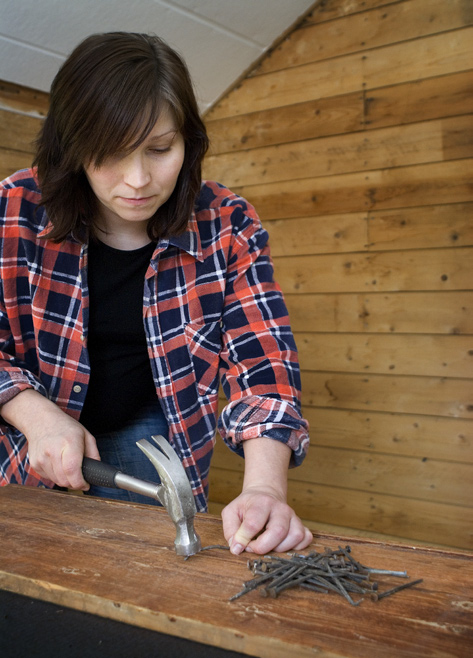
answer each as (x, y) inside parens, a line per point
(430, 396)
(448, 225)
(370, 29)
(429, 57)
(437, 312)
(421, 100)
(392, 515)
(412, 102)
(18, 132)
(329, 10)
(23, 99)
(383, 271)
(58, 547)
(427, 184)
(314, 235)
(410, 518)
(290, 123)
(447, 439)
(407, 354)
(11, 161)
(398, 146)
(425, 226)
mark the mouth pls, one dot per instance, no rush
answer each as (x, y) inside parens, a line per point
(137, 201)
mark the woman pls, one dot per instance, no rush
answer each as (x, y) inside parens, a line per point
(128, 285)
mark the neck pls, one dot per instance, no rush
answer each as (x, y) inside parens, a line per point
(126, 239)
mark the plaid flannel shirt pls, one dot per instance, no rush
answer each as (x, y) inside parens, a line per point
(211, 311)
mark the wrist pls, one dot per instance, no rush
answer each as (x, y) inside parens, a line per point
(26, 409)
(266, 466)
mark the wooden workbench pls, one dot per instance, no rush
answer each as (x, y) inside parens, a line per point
(117, 560)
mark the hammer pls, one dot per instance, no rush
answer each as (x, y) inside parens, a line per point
(174, 492)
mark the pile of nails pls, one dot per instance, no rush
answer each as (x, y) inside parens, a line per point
(330, 571)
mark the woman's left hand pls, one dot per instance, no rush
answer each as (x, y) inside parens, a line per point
(259, 520)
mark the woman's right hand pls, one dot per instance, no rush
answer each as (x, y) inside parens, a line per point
(56, 442)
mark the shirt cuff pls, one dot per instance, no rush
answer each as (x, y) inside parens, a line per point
(16, 380)
(255, 416)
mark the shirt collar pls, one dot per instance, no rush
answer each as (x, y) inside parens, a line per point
(188, 241)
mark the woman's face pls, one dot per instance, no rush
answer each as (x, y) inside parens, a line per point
(131, 187)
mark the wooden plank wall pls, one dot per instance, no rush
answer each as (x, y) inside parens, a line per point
(21, 112)
(353, 139)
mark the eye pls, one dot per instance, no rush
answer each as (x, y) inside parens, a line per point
(165, 149)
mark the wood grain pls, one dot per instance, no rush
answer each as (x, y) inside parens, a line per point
(397, 146)
(11, 161)
(395, 23)
(440, 54)
(328, 10)
(448, 225)
(432, 396)
(383, 271)
(445, 439)
(447, 312)
(436, 356)
(24, 100)
(115, 560)
(18, 132)
(411, 102)
(437, 183)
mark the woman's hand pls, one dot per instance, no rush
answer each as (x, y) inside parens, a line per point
(259, 519)
(56, 442)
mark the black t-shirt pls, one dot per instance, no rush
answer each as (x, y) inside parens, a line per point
(121, 381)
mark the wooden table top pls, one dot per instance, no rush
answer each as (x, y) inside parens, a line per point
(117, 560)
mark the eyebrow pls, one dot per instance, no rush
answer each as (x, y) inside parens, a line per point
(168, 132)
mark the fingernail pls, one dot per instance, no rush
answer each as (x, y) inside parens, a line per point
(236, 549)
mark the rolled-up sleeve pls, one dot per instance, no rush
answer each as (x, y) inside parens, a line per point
(259, 364)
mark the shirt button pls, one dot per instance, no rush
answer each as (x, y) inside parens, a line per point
(77, 388)
(82, 337)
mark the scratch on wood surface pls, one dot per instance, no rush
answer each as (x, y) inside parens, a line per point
(464, 605)
(450, 628)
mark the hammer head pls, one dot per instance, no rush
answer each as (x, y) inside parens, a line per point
(175, 493)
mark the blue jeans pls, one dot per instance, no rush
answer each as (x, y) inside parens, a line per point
(120, 450)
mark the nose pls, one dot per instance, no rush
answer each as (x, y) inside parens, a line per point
(136, 173)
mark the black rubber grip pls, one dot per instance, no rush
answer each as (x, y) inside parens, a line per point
(100, 474)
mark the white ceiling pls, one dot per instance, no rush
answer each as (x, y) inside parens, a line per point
(219, 39)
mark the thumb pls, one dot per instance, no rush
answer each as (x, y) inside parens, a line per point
(234, 528)
(90, 446)
(241, 539)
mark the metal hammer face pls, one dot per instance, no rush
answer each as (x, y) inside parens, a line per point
(174, 493)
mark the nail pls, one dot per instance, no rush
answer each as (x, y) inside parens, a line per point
(398, 589)
(385, 572)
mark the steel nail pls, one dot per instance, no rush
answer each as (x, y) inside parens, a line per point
(382, 595)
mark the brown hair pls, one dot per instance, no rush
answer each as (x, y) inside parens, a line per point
(107, 97)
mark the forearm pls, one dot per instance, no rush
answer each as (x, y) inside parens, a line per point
(26, 410)
(266, 465)
(56, 442)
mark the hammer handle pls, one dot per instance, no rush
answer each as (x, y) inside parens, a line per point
(104, 475)
(98, 473)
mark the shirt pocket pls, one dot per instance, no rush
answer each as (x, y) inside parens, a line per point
(204, 342)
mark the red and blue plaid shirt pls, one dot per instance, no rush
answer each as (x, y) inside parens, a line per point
(211, 310)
